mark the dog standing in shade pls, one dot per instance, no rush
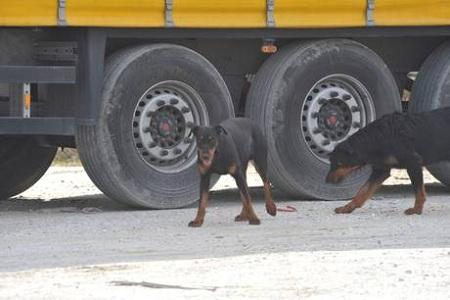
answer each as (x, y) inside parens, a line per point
(403, 141)
(227, 149)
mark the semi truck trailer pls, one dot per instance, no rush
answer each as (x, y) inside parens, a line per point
(124, 82)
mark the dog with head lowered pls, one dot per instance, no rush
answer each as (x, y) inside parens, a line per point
(227, 149)
(405, 141)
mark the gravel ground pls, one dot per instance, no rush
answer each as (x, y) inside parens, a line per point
(63, 239)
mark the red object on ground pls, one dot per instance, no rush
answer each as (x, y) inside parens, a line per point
(287, 209)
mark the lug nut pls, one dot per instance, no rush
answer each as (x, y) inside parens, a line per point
(322, 101)
(334, 94)
(177, 151)
(326, 142)
(147, 129)
(355, 108)
(160, 103)
(150, 114)
(317, 131)
(356, 125)
(152, 145)
(164, 152)
(315, 115)
(190, 124)
(185, 110)
(173, 101)
(187, 140)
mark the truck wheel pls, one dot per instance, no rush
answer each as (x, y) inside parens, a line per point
(22, 163)
(309, 97)
(430, 91)
(142, 151)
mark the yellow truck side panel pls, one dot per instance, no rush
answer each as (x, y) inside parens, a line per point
(412, 12)
(115, 13)
(219, 13)
(320, 13)
(28, 12)
(225, 13)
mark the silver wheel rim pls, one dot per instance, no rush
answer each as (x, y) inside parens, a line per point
(162, 122)
(335, 108)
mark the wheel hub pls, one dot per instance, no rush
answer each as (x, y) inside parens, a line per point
(334, 119)
(335, 108)
(164, 128)
(167, 126)
(331, 121)
(161, 125)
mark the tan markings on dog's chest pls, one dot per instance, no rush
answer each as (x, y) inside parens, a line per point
(204, 165)
(203, 168)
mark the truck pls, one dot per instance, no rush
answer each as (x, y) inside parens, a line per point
(124, 82)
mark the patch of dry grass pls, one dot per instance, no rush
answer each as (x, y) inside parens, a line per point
(66, 157)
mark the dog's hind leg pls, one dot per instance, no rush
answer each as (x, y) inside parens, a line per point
(271, 208)
(204, 195)
(260, 162)
(376, 179)
(416, 176)
(246, 198)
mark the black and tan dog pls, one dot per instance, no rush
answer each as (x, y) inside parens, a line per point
(227, 149)
(406, 141)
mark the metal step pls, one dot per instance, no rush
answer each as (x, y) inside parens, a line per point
(38, 74)
(37, 126)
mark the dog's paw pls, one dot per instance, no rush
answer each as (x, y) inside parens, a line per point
(195, 223)
(240, 218)
(271, 209)
(344, 209)
(254, 222)
(413, 211)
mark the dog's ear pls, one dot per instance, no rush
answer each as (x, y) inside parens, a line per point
(220, 130)
(195, 130)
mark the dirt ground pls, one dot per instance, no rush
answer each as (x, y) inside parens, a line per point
(63, 239)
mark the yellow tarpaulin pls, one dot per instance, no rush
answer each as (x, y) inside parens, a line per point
(323, 13)
(115, 13)
(28, 12)
(224, 13)
(412, 12)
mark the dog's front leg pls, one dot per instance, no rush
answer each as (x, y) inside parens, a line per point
(416, 176)
(243, 216)
(376, 179)
(204, 196)
(247, 206)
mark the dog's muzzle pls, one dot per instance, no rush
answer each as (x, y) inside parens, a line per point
(205, 156)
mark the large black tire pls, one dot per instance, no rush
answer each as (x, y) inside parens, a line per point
(431, 90)
(22, 163)
(277, 102)
(109, 152)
